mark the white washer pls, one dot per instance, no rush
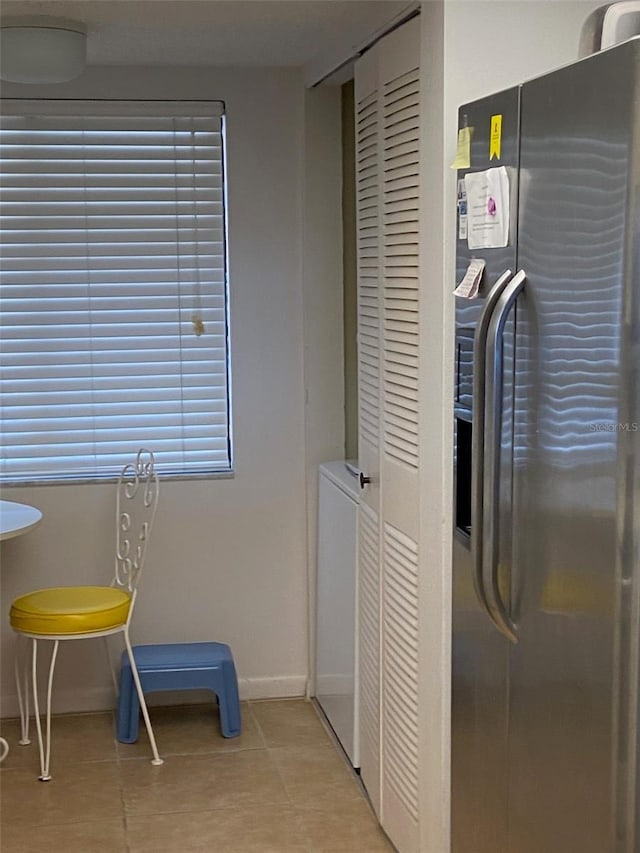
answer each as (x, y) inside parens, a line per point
(336, 669)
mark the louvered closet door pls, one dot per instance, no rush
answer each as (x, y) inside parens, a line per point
(368, 188)
(387, 162)
(400, 118)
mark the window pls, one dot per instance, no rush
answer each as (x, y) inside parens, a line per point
(114, 320)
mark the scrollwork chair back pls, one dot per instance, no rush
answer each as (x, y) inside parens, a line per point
(136, 504)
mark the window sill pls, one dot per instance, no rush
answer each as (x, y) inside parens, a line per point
(93, 481)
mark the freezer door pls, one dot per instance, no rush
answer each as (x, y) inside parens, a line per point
(573, 241)
(480, 653)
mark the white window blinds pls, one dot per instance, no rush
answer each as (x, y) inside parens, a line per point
(114, 326)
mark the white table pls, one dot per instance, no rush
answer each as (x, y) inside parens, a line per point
(15, 519)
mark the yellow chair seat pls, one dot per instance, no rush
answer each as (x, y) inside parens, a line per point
(70, 610)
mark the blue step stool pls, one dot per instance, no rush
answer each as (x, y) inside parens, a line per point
(179, 666)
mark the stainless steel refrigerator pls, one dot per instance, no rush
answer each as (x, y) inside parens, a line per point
(546, 556)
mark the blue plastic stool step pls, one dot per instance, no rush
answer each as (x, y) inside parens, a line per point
(179, 666)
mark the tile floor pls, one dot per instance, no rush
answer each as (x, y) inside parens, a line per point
(282, 786)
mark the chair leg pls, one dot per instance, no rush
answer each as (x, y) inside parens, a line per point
(143, 705)
(22, 688)
(45, 750)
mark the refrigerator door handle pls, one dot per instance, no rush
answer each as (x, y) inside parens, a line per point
(491, 473)
(477, 434)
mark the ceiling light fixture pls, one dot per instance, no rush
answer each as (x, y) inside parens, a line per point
(41, 50)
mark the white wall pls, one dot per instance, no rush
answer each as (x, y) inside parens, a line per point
(228, 559)
(470, 48)
(322, 310)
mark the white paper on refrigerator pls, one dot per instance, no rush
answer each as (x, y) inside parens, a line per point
(487, 208)
(470, 284)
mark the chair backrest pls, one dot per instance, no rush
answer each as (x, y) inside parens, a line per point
(136, 504)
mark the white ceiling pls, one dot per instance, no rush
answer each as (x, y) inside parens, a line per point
(310, 33)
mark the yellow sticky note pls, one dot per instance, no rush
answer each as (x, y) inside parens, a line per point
(495, 140)
(463, 151)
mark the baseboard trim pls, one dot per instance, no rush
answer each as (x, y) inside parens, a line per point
(275, 687)
(81, 701)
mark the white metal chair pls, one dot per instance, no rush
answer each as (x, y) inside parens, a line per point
(85, 612)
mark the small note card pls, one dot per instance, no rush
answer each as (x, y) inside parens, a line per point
(470, 284)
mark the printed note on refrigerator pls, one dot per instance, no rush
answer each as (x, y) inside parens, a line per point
(470, 284)
(462, 159)
(487, 208)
